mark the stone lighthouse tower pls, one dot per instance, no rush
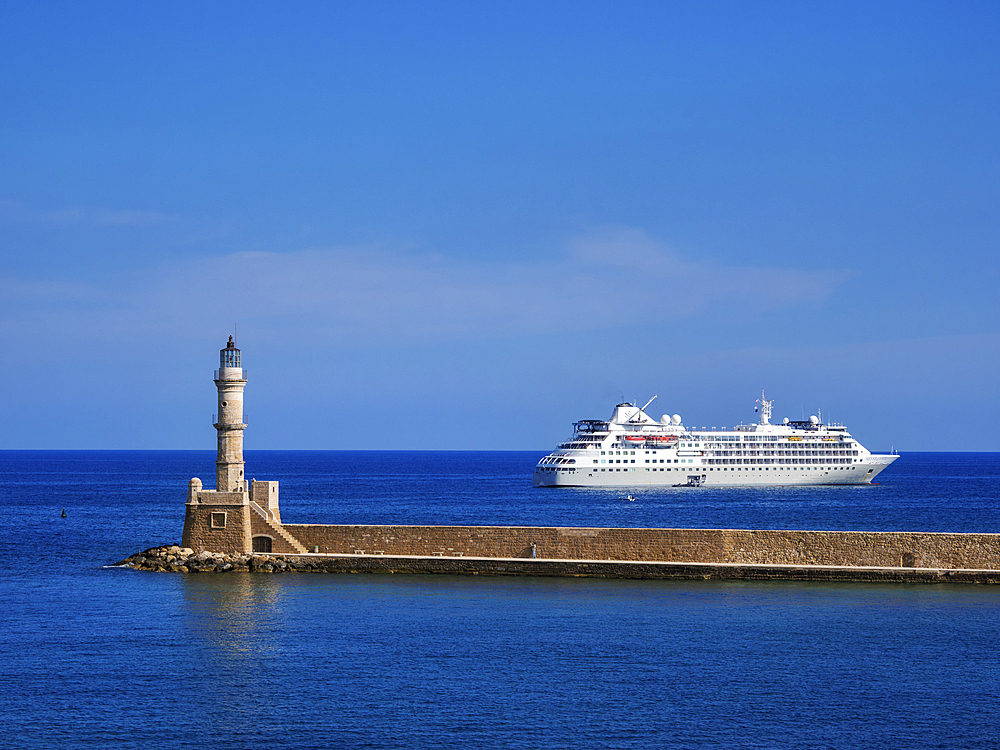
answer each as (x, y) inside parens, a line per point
(235, 517)
(230, 381)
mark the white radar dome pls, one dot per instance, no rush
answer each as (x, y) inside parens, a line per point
(784, 421)
(665, 419)
(814, 419)
(676, 419)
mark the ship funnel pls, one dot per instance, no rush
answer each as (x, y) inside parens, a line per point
(629, 414)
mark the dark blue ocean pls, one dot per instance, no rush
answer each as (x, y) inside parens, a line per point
(100, 657)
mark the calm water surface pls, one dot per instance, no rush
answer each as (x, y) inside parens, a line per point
(98, 657)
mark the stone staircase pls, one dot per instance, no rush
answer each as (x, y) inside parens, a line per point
(278, 529)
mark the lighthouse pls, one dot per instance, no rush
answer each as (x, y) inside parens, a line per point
(237, 516)
(230, 380)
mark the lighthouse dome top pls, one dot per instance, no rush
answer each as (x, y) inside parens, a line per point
(230, 356)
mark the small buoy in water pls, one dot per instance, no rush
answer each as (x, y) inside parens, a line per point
(64, 513)
(630, 498)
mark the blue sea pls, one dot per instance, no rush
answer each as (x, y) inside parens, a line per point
(99, 657)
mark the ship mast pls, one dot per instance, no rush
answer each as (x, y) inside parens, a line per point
(765, 409)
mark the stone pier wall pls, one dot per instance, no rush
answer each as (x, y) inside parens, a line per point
(718, 546)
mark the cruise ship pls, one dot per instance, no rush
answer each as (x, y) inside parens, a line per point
(632, 450)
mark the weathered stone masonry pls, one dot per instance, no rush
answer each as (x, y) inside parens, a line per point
(720, 546)
(216, 520)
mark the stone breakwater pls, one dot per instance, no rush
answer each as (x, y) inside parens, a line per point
(177, 559)
(890, 549)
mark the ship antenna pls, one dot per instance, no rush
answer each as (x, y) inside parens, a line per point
(648, 403)
(765, 409)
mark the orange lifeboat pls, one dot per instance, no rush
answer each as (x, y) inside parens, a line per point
(662, 439)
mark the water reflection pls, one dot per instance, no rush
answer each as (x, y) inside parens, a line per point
(232, 613)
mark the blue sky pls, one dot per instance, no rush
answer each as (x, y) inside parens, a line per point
(464, 226)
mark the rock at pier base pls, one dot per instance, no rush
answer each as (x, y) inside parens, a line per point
(177, 559)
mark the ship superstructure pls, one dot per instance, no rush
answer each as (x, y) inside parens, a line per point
(633, 449)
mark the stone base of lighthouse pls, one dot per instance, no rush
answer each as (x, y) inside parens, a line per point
(236, 522)
(217, 521)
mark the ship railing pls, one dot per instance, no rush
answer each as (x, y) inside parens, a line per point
(694, 432)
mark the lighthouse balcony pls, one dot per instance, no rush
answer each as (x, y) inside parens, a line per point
(242, 423)
(230, 373)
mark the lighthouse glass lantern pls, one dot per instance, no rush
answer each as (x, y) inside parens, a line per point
(230, 356)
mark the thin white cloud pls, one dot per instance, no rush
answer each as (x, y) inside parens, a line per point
(631, 263)
(377, 292)
(380, 294)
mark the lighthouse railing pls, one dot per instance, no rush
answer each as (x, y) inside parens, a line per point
(244, 420)
(243, 374)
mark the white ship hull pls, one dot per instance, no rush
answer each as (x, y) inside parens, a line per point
(634, 450)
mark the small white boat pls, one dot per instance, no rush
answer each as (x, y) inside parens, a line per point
(694, 480)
